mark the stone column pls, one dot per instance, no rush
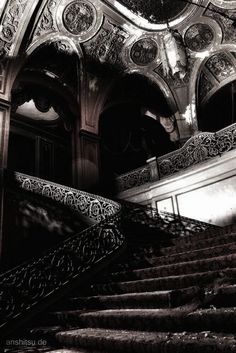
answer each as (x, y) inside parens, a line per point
(4, 136)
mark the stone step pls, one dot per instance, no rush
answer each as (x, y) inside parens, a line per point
(201, 244)
(173, 320)
(207, 234)
(165, 283)
(203, 265)
(156, 299)
(148, 342)
(214, 251)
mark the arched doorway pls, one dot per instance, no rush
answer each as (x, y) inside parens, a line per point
(136, 124)
(44, 107)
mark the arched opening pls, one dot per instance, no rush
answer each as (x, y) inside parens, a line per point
(219, 110)
(136, 124)
(44, 107)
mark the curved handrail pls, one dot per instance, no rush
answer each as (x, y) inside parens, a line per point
(198, 149)
(33, 284)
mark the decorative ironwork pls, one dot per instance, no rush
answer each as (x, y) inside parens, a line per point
(79, 17)
(144, 51)
(199, 37)
(168, 222)
(198, 149)
(134, 178)
(25, 287)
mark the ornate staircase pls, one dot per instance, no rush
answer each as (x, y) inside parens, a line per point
(165, 294)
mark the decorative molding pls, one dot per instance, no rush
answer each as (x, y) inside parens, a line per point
(107, 45)
(10, 24)
(221, 66)
(46, 23)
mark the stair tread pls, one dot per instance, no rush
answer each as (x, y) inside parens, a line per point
(215, 261)
(191, 253)
(142, 341)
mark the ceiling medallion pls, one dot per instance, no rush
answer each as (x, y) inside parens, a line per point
(144, 51)
(199, 37)
(79, 17)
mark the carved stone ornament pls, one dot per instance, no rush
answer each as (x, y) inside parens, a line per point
(144, 51)
(221, 66)
(199, 37)
(79, 17)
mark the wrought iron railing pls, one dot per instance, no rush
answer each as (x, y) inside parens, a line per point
(168, 222)
(197, 149)
(30, 286)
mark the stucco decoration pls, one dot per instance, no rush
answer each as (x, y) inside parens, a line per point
(199, 37)
(144, 51)
(221, 66)
(10, 23)
(107, 45)
(79, 17)
(47, 22)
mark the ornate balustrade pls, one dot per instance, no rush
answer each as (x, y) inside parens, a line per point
(197, 149)
(29, 287)
(168, 222)
(133, 178)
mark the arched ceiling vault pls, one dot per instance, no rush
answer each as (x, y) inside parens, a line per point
(124, 35)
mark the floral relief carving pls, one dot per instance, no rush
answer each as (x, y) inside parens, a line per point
(10, 23)
(221, 66)
(79, 17)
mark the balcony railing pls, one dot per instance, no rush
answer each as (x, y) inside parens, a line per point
(197, 149)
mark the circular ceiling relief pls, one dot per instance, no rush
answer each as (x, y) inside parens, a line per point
(199, 37)
(79, 17)
(144, 51)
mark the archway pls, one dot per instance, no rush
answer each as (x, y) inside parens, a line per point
(136, 124)
(43, 112)
(216, 92)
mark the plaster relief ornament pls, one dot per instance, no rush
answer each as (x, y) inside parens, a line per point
(79, 17)
(144, 51)
(199, 37)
